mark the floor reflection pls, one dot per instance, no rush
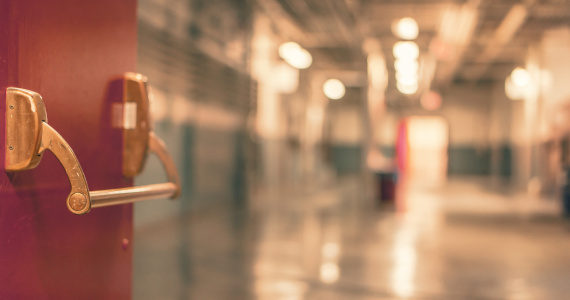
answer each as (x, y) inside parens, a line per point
(463, 241)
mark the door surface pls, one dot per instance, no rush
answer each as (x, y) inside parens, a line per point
(68, 51)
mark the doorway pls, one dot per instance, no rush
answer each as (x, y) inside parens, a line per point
(423, 154)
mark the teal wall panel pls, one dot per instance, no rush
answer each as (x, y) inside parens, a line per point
(468, 160)
(346, 158)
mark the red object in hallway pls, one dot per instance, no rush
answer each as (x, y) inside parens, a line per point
(402, 146)
(67, 51)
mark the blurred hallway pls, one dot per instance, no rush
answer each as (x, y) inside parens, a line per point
(280, 113)
(463, 241)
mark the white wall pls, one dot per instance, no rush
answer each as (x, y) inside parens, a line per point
(467, 109)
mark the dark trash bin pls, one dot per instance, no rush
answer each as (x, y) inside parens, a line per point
(566, 195)
(386, 186)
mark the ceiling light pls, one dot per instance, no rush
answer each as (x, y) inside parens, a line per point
(513, 91)
(407, 89)
(295, 55)
(286, 50)
(407, 78)
(520, 77)
(334, 89)
(406, 50)
(329, 272)
(407, 29)
(406, 66)
(302, 60)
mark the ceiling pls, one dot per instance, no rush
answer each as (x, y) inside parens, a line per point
(471, 40)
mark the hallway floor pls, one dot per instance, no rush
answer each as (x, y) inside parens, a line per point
(463, 241)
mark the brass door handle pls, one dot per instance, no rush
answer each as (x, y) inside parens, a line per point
(28, 135)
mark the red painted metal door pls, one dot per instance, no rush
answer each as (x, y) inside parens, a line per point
(67, 51)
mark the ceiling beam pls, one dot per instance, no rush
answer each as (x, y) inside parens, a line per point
(507, 29)
(455, 34)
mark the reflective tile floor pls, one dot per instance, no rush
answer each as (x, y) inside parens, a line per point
(463, 241)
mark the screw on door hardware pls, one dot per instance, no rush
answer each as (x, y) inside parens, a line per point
(77, 201)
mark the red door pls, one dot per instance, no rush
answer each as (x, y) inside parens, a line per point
(67, 51)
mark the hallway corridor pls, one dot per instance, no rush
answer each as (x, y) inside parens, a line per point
(463, 241)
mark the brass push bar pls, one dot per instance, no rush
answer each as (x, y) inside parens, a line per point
(170, 189)
(28, 135)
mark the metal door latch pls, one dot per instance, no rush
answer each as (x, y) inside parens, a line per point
(28, 135)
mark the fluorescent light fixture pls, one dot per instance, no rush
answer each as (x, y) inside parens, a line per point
(407, 29)
(295, 55)
(406, 50)
(407, 89)
(520, 77)
(334, 89)
(329, 272)
(406, 66)
(407, 78)
(287, 50)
